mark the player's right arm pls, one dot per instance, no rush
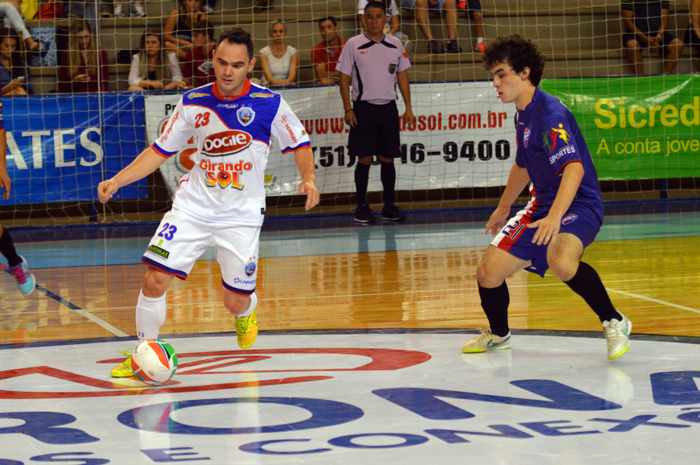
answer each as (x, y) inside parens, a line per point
(145, 164)
(344, 84)
(517, 180)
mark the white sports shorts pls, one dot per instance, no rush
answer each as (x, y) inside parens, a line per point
(181, 239)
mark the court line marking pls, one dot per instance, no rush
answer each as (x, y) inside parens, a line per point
(72, 306)
(669, 304)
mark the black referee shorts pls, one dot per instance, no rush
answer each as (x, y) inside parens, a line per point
(377, 131)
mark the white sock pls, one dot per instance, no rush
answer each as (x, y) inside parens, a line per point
(150, 315)
(253, 304)
(479, 40)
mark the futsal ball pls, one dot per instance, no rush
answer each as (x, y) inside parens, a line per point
(154, 362)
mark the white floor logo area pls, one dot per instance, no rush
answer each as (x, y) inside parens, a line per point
(362, 398)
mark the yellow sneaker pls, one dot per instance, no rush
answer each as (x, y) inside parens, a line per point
(247, 330)
(123, 370)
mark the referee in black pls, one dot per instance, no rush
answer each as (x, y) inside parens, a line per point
(375, 63)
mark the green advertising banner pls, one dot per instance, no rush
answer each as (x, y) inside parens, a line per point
(637, 127)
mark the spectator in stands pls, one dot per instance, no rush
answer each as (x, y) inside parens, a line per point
(14, 73)
(198, 68)
(393, 22)
(152, 64)
(84, 65)
(692, 35)
(474, 9)
(12, 19)
(178, 27)
(646, 24)
(449, 9)
(137, 9)
(325, 55)
(279, 60)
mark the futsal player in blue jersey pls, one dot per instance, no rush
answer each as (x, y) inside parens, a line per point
(564, 213)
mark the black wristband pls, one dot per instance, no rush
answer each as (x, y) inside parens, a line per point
(348, 110)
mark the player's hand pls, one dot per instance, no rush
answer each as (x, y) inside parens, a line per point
(497, 221)
(408, 117)
(5, 183)
(547, 229)
(106, 190)
(351, 119)
(312, 195)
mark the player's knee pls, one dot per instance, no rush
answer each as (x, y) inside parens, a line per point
(563, 267)
(366, 160)
(486, 277)
(155, 283)
(236, 304)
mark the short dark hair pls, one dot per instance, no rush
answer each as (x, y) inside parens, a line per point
(327, 18)
(238, 36)
(519, 53)
(203, 27)
(375, 4)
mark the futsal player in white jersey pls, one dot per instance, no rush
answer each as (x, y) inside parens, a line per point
(221, 201)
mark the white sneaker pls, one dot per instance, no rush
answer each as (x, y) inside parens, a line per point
(137, 10)
(486, 341)
(617, 334)
(118, 10)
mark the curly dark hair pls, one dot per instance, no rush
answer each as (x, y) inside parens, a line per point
(519, 53)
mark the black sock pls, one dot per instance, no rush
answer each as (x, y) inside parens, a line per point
(361, 181)
(495, 304)
(389, 182)
(7, 248)
(588, 285)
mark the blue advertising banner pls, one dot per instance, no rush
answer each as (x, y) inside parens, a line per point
(60, 147)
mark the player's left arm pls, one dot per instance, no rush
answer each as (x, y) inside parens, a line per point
(548, 227)
(405, 88)
(306, 164)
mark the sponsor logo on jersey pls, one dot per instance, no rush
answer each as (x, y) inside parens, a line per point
(260, 95)
(245, 115)
(364, 52)
(230, 106)
(289, 128)
(154, 249)
(568, 219)
(195, 95)
(250, 269)
(165, 136)
(225, 174)
(551, 137)
(561, 153)
(526, 137)
(226, 143)
(243, 281)
(392, 68)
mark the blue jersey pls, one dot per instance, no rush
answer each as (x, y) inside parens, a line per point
(548, 139)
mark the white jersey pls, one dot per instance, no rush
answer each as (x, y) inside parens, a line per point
(227, 183)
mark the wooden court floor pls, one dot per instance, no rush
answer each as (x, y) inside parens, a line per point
(654, 282)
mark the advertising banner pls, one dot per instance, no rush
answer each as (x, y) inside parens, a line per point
(59, 148)
(463, 136)
(637, 127)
